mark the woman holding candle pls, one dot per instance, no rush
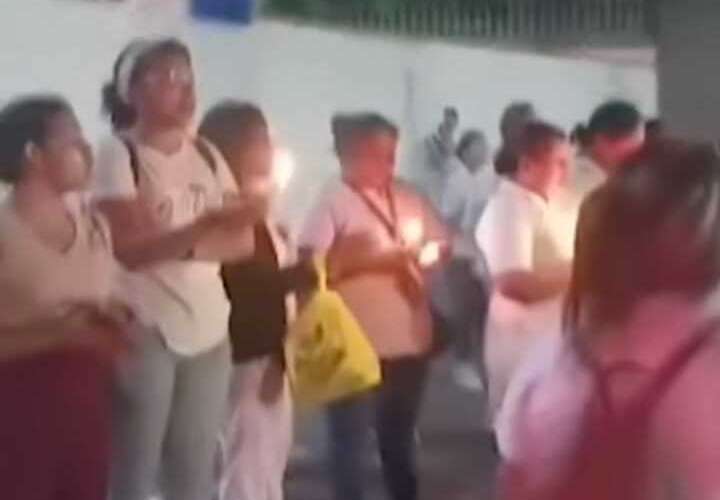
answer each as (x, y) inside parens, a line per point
(524, 253)
(378, 234)
(173, 208)
(257, 433)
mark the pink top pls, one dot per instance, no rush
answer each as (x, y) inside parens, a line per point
(555, 386)
(394, 326)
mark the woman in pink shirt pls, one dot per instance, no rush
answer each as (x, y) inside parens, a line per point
(647, 259)
(374, 229)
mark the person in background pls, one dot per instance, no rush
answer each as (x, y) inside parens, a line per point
(470, 184)
(460, 289)
(175, 215)
(61, 325)
(512, 123)
(439, 148)
(642, 305)
(257, 434)
(654, 130)
(614, 133)
(579, 138)
(528, 269)
(376, 232)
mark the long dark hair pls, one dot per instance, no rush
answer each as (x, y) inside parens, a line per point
(122, 114)
(653, 228)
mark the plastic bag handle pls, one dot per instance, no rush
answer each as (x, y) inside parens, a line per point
(322, 275)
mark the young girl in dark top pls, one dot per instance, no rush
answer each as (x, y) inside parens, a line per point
(258, 427)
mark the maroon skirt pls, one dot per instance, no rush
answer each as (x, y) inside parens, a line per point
(55, 427)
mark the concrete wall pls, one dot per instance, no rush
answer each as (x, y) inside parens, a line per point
(688, 67)
(302, 75)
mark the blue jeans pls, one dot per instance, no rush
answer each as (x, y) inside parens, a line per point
(392, 410)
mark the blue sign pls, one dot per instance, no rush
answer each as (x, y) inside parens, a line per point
(234, 11)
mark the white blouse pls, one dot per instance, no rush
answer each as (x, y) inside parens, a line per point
(185, 300)
(36, 280)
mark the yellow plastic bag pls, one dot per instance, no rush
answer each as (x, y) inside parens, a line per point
(328, 355)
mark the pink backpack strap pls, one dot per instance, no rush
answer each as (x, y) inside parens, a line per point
(676, 365)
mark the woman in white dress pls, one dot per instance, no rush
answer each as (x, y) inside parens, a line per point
(524, 254)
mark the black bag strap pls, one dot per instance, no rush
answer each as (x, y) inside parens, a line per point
(203, 148)
(134, 159)
(201, 145)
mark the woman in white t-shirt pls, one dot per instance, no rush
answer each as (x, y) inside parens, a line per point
(524, 253)
(378, 233)
(170, 200)
(59, 327)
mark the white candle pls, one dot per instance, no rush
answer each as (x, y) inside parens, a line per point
(429, 254)
(413, 232)
(283, 168)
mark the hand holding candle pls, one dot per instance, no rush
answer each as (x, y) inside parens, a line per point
(283, 168)
(427, 253)
(413, 233)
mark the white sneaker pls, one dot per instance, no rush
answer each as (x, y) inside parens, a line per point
(467, 377)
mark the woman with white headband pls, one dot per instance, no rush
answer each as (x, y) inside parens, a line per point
(174, 214)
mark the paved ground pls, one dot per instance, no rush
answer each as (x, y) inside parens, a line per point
(455, 456)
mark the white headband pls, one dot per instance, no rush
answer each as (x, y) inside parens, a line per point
(133, 53)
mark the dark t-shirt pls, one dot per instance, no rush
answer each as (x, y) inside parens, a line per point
(257, 288)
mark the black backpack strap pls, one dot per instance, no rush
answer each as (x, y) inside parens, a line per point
(134, 159)
(205, 151)
(203, 148)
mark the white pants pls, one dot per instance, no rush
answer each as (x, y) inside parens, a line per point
(514, 330)
(257, 435)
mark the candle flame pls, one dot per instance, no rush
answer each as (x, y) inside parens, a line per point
(283, 168)
(413, 232)
(429, 254)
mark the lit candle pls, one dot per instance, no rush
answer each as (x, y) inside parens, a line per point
(429, 254)
(283, 168)
(413, 232)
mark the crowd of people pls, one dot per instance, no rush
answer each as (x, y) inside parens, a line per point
(146, 294)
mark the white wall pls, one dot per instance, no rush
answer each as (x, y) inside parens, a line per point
(302, 75)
